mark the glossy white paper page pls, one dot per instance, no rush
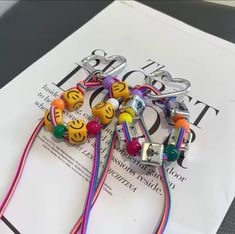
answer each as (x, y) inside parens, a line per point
(51, 194)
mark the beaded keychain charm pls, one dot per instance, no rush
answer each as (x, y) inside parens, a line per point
(130, 107)
(76, 131)
(129, 104)
(175, 112)
(151, 153)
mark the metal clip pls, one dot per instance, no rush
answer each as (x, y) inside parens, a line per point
(152, 154)
(134, 104)
(186, 140)
(121, 136)
(105, 60)
(166, 76)
(174, 108)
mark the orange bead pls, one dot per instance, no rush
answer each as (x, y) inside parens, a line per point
(58, 103)
(177, 117)
(182, 123)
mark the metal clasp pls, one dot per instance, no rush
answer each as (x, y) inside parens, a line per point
(105, 60)
(174, 108)
(166, 76)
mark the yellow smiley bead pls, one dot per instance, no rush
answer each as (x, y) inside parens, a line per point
(125, 117)
(104, 111)
(120, 90)
(59, 116)
(47, 121)
(73, 99)
(77, 131)
(47, 118)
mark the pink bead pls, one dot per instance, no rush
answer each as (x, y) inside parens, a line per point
(93, 127)
(133, 147)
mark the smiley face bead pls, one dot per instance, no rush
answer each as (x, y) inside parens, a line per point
(120, 90)
(73, 99)
(47, 119)
(77, 131)
(104, 111)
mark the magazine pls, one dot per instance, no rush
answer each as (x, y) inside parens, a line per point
(51, 194)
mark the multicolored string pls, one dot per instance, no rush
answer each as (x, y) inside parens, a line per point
(100, 181)
(93, 181)
(180, 138)
(53, 116)
(165, 182)
(150, 87)
(126, 131)
(167, 194)
(89, 83)
(147, 87)
(20, 168)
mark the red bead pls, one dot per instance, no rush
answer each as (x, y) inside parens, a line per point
(133, 147)
(93, 127)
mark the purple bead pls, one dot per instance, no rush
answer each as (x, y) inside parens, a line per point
(137, 92)
(107, 82)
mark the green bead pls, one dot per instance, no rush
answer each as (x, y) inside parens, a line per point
(59, 131)
(171, 152)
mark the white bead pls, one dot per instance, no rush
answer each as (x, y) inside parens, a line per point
(114, 103)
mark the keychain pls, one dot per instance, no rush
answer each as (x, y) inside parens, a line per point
(152, 153)
(76, 131)
(132, 102)
(127, 104)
